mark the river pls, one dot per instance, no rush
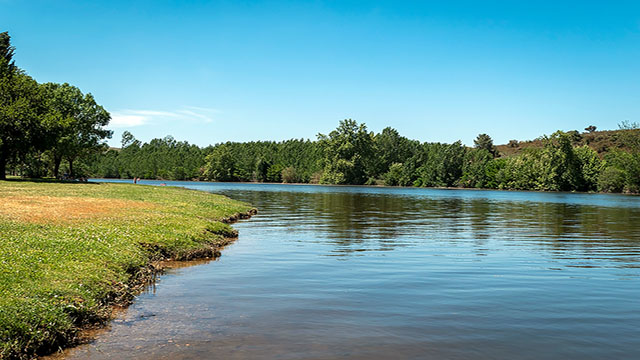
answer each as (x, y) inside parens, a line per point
(327, 272)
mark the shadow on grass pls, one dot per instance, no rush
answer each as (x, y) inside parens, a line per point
(46, 180)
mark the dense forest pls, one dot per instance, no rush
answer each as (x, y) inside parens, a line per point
(54, 130)
(563, 161)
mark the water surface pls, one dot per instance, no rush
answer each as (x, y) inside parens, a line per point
(377, 273)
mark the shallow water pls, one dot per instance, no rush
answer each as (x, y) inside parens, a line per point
(380, 273)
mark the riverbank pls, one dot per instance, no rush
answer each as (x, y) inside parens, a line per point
(70, 251)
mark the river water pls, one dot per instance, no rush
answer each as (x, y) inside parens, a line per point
(397, 273)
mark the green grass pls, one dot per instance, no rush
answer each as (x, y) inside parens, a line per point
(69, 250)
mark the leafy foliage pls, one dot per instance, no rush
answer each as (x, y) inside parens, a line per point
(348, 151)
(474, 169)
(20, 112)
(42, 124)
(74, 124)
(484, 141)
(353, 155)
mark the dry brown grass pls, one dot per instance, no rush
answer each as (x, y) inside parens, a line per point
(48, 209)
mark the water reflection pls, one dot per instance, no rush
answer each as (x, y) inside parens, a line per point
(355, 222)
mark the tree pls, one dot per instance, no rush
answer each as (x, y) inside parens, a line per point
(262, 168)
(439, 164)
(561, 168)
(591, 167)
(220, 164)
(612, 180)
(348, 151)
(127, 139)
(484, 141)
(521, 172)
(390, 147)
(494, 172)
(75, 123)
(394, 175)
(274, 173)
(575, 136)
(17, 116)
(473, 169)
(7, 65)
(20, 108)
(627, 164)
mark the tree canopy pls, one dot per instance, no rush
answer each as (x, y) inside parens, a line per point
(41, 124)
(348, 151)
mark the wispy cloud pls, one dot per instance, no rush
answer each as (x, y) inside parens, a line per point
(203, 109)
(190, 113)
(131, 118)
(126, 120)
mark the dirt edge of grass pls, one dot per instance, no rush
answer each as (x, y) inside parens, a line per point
(124, 294)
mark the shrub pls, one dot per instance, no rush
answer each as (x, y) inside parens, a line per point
(289, 175)
(393, 176)
(611, 180)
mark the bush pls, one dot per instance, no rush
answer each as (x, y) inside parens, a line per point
(611, 180)
(289, 175)
(316, 177)
(393, 176)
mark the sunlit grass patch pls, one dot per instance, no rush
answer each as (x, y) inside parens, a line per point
(68, 251)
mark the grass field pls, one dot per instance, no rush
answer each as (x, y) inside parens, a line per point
(70, 250)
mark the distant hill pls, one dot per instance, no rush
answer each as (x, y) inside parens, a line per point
(600, 141)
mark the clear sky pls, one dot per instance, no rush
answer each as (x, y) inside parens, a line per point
(212, 71)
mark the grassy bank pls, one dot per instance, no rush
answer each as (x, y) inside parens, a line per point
(69, 250)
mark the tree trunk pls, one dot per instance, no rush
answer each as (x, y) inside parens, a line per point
(3, 166)
(56, 165)
(71, 169)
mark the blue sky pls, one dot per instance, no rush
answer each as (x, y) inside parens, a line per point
(212, 71)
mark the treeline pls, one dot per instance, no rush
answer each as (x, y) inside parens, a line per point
(45, 127)
(265, 161)
(353, 155)
(159, 159)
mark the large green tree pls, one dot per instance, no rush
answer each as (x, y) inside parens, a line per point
(220, 164)
(484, 141)
(348, 150)
(390, 148)
(440, 164)
(562, 168)
(474, 172)
(20, 108)
(7, 64)
(75, 124)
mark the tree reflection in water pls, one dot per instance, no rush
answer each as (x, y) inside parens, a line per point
(354, 221)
